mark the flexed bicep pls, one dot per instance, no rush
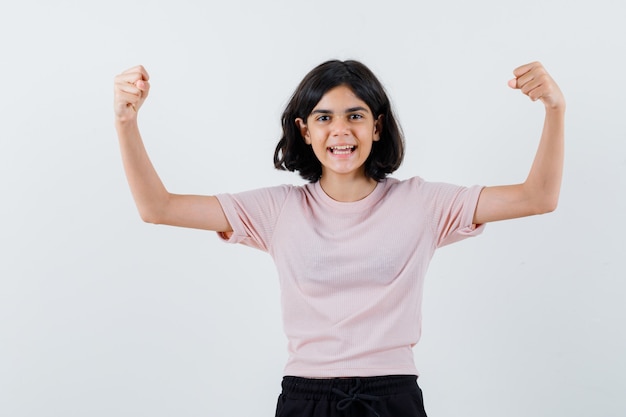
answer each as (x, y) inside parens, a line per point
(539, 193)
(193, 211)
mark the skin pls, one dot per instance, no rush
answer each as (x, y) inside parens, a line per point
(154, 202)
(341, 118)
(539, 194)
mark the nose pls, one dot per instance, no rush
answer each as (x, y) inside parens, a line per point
(339, 126)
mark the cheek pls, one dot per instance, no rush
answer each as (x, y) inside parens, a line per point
(317, 138)
(318, 146)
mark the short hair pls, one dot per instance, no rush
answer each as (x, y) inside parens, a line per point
(293, 154)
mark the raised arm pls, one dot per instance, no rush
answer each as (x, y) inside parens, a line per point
(540, 192)
(154, 202)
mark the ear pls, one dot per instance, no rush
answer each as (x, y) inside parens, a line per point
(304, 130)
(378, 128)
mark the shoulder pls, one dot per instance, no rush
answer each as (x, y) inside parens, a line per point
(264, 192)
(422, 184)
(394, 185)
(421, 189)
(259, 199)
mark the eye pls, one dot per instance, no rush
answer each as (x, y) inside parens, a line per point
(323, 118)
(355, 116)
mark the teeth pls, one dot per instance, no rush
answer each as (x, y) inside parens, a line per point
(342, 149)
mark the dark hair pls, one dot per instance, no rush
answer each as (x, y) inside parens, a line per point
(293, 154)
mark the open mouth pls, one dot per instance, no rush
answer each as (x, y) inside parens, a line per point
(342, 149)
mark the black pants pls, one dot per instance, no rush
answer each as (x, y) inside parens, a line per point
(381, 396)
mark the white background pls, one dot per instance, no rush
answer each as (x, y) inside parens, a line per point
(101, 314)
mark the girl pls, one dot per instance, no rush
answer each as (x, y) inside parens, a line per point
(352, 246)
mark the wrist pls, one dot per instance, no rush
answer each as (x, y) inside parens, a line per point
(125, 123)
(557, 109)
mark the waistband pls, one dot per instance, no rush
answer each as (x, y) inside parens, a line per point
(334, 388)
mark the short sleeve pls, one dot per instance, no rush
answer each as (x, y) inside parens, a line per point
(453, 209)
(253, 215)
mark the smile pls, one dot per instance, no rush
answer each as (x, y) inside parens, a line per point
(342, 149)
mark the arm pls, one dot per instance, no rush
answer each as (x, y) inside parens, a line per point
(540, 192)
(154, 202)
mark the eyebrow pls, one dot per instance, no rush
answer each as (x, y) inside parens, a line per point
(350, 110)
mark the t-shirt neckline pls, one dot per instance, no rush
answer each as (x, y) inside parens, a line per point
(367, 201)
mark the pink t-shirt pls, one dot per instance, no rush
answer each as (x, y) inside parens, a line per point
(351, 274)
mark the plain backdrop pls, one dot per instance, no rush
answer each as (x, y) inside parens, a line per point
(102, 314)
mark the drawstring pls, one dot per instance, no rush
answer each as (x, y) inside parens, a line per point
(354, 395)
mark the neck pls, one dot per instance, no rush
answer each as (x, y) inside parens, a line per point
(347, 189)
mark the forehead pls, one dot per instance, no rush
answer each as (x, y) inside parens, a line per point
(340, 98)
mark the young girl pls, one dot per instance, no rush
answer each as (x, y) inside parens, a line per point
(352, 246)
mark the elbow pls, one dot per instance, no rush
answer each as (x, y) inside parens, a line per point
(547, 209)
(546, 205)
(150, 216)
(552, 207)
(153, 211)
(542, 198)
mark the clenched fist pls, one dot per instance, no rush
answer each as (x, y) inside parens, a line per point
(131, 88)
(534, 81)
